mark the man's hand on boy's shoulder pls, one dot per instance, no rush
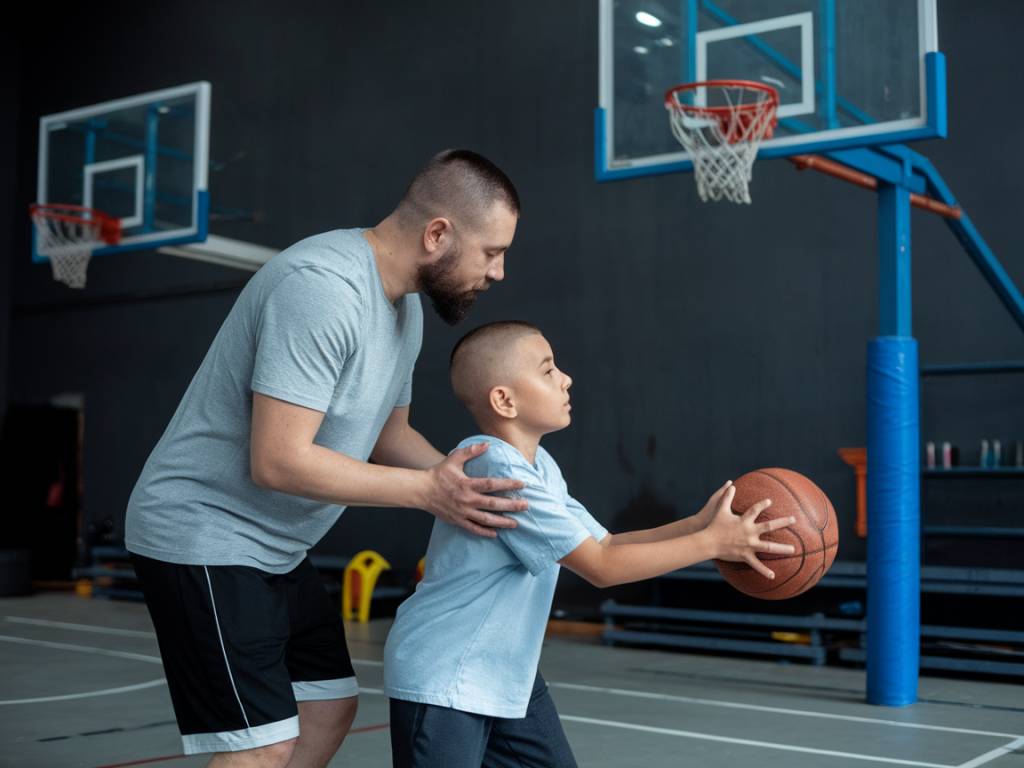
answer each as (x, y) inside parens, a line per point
(456, 498)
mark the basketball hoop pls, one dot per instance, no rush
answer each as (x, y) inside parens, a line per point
(68, 234)
(722, 132)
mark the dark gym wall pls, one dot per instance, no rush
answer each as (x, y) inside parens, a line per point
(704, 339)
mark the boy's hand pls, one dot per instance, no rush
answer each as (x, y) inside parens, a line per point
(707, 512)
(454, 497)
(738, 538)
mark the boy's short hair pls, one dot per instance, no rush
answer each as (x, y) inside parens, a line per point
(479, 359)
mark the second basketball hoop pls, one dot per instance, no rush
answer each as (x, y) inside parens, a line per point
(722, 123)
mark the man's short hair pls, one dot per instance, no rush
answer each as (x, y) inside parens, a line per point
(458, 184)
(478, 360)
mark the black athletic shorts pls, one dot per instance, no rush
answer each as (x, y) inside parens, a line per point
(241, 646)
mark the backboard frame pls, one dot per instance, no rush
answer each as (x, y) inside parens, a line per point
(197, 228)
(931, 123)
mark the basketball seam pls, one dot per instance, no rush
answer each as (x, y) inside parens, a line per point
(799, 503)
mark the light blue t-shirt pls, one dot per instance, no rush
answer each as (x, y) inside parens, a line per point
(470, 637)
(312, 327)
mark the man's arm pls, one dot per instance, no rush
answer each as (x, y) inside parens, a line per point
(284, 458)
(399, 445)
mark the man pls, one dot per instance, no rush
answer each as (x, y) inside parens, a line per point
(309, 376)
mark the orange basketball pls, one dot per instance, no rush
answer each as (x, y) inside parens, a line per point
(815, 534)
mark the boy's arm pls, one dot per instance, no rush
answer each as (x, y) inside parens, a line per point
(684, 527)
(728, 536)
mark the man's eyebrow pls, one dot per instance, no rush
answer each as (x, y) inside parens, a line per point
(548, 359)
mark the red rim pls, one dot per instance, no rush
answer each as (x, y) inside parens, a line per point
(110, 228)
(673, 103)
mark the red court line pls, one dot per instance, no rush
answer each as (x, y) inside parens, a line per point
(148, 760)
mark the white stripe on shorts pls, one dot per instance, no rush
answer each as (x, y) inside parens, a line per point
(323, 690)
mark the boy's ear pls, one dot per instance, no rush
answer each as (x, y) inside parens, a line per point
(502, 402)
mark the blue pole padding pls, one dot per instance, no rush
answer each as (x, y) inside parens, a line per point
(894, 522)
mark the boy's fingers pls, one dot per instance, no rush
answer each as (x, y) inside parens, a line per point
(775, 548)
(726, 501)
(760, 567)
(756, 509)
(776, 524)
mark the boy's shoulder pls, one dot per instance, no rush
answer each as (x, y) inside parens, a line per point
(499, 460)
(503, 460)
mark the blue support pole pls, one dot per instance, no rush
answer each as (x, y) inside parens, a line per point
(828, 62)
(894, 577)
(149, 184)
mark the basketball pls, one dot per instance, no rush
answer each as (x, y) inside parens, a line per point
(815, 534)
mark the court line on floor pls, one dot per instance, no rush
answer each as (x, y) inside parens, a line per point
(88, 694)
(732, 740)
(777, 710)
(82, 648)
(756, 707)
(998, 752)
(571, 686)
(752, 742)
(79, 627)
(164, 758)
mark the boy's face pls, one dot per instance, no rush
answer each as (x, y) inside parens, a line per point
(541, 390)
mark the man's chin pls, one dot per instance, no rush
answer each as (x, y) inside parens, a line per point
(454, 312)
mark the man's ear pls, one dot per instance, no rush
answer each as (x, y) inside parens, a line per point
(502, 402)
(437, 236)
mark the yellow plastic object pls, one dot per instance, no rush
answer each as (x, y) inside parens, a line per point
(83, 588)
(357, 586)
(421, 568)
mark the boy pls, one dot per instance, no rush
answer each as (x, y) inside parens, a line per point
(460, 664)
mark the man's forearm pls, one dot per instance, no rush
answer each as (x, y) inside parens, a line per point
(408, 449)
(326, 475)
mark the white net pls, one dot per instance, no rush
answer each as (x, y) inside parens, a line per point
(67, 237)
(723, 139)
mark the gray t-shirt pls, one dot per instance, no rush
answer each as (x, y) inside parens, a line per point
(312, 327)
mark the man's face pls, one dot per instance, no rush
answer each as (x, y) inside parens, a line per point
(471, 263)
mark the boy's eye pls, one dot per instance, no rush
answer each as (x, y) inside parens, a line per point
(550, 371)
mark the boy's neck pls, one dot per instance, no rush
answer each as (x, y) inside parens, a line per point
(524, 442)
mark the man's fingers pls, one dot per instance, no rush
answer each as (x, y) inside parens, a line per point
(472, 527)
(495, 503)
(760, 567)
(491, 521)
(776, 524)
(495, 484)
(756, 509)
(462, 455)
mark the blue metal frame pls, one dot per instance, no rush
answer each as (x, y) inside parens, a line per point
(935, 126)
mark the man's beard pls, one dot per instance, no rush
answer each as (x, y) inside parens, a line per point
(438, 281)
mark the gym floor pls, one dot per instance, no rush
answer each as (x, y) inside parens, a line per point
(83, 687)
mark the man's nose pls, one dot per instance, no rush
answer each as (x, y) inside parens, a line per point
(497, 270)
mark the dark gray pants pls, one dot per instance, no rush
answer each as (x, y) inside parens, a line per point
(427, 736)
